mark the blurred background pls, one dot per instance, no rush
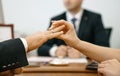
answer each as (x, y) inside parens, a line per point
(30, 16)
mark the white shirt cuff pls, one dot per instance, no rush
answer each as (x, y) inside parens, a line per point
(24, 43)
(53, 50)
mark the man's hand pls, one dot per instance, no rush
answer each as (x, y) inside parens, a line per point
(109, 68)
(39, 38)
(69, 35)
(61, 51)
(73, 53)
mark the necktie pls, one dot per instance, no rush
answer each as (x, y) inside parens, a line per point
(73, 21)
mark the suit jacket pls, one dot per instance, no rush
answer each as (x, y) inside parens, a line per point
(12, 55)
(91, 30)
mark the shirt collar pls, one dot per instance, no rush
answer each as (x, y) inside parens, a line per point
(78, 16)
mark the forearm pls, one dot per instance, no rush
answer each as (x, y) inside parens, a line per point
(36, 40)
(97, 53)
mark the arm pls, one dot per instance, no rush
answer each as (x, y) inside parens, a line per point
(95, 52)
(13, 54)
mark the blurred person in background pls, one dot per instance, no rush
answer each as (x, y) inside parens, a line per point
(88, 26)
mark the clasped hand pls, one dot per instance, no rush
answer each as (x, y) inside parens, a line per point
(69, 34)
(60, 29)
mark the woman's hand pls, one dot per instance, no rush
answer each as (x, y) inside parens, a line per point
(69, 35)
(36, 40)
(109, 68)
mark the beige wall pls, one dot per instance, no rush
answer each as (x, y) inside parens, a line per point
(1, 13)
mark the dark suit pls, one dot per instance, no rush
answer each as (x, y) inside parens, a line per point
(12, 55)
(91, 30)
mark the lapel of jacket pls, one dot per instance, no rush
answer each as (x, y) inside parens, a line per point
(63, 16)
(83, 24)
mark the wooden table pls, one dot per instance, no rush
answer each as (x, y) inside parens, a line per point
(48, 70)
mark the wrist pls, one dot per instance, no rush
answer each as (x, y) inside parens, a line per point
(74, 42)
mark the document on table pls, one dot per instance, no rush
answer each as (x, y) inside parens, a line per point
(48, 59)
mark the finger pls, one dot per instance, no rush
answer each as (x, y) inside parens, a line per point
(100, 74)
(57, 23)
(107, 61)
(53, 35)
(101, 66)
(52, 26)
(59, 28)
(113, 60)
(62, 37)
(102, 71)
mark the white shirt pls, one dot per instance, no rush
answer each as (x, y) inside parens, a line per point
(24, 43)
(69, 18)
(78, 16)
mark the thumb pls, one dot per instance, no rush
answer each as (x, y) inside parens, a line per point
(101, 72)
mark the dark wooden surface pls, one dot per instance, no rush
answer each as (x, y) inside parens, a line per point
(48, 70)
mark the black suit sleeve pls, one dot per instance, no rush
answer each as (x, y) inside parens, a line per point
(100, 37)
(45, 48)
(12, 55)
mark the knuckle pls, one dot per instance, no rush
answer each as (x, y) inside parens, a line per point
(63, 21)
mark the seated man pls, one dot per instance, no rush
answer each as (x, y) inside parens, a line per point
(88, 26)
